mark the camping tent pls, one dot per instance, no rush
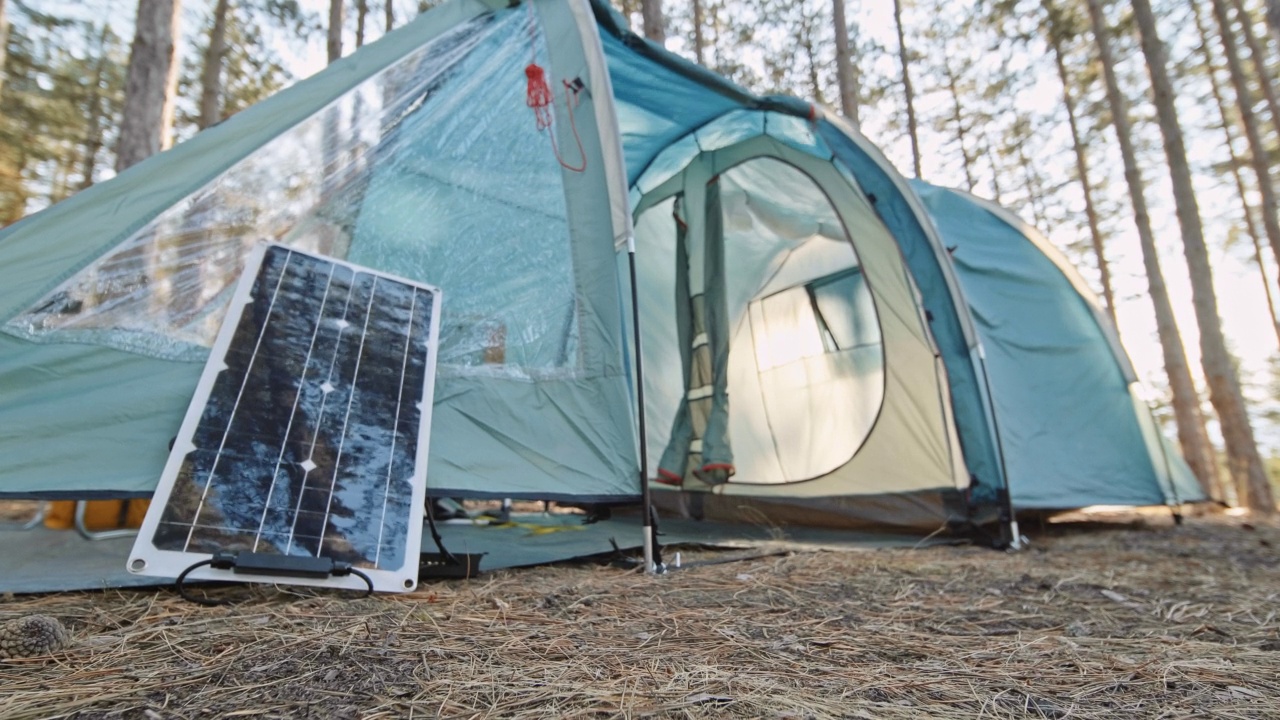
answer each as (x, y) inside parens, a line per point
(1071, 421)
(808, 353)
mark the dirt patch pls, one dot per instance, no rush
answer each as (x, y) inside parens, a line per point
(1141, 620)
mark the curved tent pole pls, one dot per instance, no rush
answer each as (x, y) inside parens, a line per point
(1008, 516)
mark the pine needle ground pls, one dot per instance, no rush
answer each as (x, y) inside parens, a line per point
(1141, 620)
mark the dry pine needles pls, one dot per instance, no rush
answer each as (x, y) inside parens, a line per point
(1136, 621)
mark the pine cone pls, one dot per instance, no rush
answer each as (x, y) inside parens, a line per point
(32, 636)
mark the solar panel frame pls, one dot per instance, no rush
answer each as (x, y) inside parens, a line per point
(148, 557)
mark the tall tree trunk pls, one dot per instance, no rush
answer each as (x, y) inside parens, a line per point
(93, 126)
(957, 115)
(1252, 131)
(1035, 188)
(336, 21)
(699, 42)
(1082, 160)
(1186, 403)
(211, 78)
(655, 25)
(904, 58)
(815, 84)
(846, 71)
(389, 15)
(150, 84)
(4, 41)
(1247, 470)
(1251, 225)
(362, 14)
(990, 154)
(1259, 56)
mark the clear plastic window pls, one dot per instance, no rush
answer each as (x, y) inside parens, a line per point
(433, 169)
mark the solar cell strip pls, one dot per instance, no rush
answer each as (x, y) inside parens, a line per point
(391, 454)
(293, 413)
(346, 418)
(209, 481)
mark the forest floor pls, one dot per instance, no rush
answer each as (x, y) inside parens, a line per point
(1132, 619)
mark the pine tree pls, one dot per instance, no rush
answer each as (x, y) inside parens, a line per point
(1247, 470)
(333, 43)
(1186, 404)
(699, 41)
(249, 68)
(211, 76)
(846, 70)
(4, 42)
(150, 87)
(1261, 72)
(905, 59)
(1252, 126)
(362, 17)
(1251, 225)
(104, 100)
(655, 26)
(1061, 27)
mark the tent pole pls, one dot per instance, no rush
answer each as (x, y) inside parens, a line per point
(646, 500)
(1013, 536)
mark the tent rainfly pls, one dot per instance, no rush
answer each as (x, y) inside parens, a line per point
(811, 352)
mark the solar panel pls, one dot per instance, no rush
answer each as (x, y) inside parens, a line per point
(307, 435)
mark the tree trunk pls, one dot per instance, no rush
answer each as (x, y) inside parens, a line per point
(211, 78)
(1186, 403)
(995, 169)
(1252, 131)
(336, 21)
(957, 115)
(1247, 470)
(362, 14)
(93, 125)
(655, 26)
(906, 88)
(1263, 73)
(1251, 225)
(4, 41)
(1273, 18)
(815, 84)
(389, 16)
(1035, 188)
(1082, 161)
(846, 71)
(150, 84)
(699, 42)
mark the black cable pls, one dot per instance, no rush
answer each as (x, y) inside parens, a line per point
(182, 590)
(339, 571)
(226, 562)
(435, 535)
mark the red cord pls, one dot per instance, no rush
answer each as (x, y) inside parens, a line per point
(539, 97)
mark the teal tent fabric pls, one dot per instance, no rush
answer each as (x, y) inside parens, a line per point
(1064, 409)
(946, 316)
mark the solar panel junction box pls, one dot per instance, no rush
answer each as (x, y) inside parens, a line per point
(302, 566)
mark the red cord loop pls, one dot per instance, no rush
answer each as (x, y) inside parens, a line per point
(539, 96)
